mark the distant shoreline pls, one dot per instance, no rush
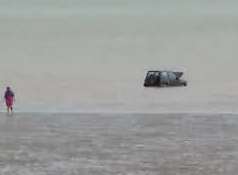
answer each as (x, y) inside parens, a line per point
(122, 113)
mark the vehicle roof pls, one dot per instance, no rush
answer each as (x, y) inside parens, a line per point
(160, 71)
(177, 74)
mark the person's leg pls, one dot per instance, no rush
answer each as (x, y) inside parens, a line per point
(8, 107)
(9, 104)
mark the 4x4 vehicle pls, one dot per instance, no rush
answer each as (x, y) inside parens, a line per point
(164, 78)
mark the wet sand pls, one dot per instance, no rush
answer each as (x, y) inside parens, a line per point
(125, 144)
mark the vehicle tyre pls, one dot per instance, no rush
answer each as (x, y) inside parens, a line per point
(185, 84)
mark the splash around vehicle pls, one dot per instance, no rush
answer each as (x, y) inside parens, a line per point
(164, 78)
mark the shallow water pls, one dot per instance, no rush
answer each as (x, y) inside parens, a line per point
(96, 59)
(99, 63)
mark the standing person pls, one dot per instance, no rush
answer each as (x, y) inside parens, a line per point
(9, 99)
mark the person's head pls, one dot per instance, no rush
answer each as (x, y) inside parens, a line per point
(8, 88)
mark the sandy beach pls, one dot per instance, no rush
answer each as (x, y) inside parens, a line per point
(128, 144)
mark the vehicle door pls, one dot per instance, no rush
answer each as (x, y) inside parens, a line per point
(164, 78)
(173, 81)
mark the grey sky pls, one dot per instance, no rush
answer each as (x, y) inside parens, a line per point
(153, 7)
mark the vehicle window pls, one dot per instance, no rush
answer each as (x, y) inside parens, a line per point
(164, 77)
(172, 76)
(152, 74)
(149, 74)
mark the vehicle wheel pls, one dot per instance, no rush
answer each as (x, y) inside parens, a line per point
(185, 84)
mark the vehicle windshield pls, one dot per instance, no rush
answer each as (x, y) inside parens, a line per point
(153, 74)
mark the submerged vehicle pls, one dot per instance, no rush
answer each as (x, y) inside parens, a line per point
(164, 78)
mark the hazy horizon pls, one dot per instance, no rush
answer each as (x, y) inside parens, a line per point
(29, 8)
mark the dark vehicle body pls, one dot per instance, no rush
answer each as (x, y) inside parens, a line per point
(164, 78)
